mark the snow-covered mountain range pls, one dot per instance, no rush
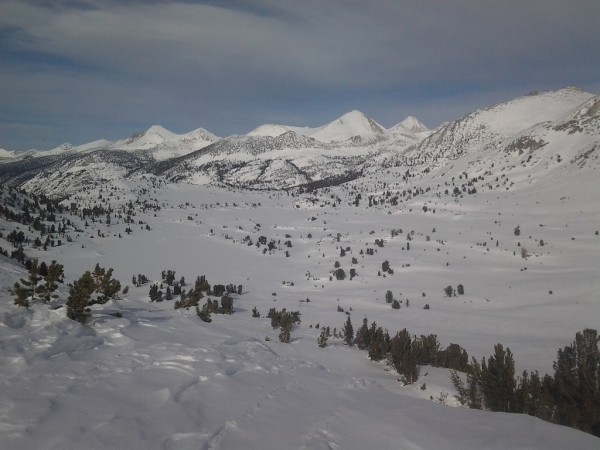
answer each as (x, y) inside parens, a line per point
(542, 130)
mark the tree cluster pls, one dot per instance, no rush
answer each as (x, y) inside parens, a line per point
(570, 397)
(41, 283)
(405, 352)
(284, 320)
(92, 287)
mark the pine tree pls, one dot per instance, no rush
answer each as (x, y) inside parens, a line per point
(204, 313)
(576, 385)
(379, 345)
(25, 290)
(21, 294)
(106, 285)
(474, 390)
(322, 340)
(348, 332)
(286, 323)
(54, 275)
(427, 349)
(389, 297)
(153, 294)
(498, 380)
(43, 271)
(362, 339)
(402, 357)
(79, 298)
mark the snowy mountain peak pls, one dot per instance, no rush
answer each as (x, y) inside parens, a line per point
(272, 130)
(413, 124)
(150, 138)
(159, 133)
(164, 144)
(199, 135)
(351, 125)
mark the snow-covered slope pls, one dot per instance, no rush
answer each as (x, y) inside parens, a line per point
(6, 154)
(262, 162)
(66, 148)
(490, 127)
(142, 375)
(274, 130)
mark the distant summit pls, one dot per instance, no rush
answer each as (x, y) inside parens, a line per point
(411, 123)
(353, 125)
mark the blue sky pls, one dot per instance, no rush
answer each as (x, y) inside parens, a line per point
(80, 70)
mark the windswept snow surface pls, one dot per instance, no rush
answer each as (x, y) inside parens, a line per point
(160, 378)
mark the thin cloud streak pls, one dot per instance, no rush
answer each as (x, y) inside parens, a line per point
(191, 64)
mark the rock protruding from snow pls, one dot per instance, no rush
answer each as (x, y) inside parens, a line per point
(586, 118)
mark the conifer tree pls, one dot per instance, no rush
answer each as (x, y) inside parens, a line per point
(389, 297)
(576, 387)
(498, 380)
(21, 294)
(348, 332)
(379, 345)
(204, 313)
(54, 275)
(362, 339)
(402, 357)
(322, 340)
(286, 323)
(25, 290)
(106, 285)
(79, 298)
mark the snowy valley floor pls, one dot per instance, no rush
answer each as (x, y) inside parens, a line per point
(161, 378)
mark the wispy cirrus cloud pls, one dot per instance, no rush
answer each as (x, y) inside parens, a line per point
(100, 68)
